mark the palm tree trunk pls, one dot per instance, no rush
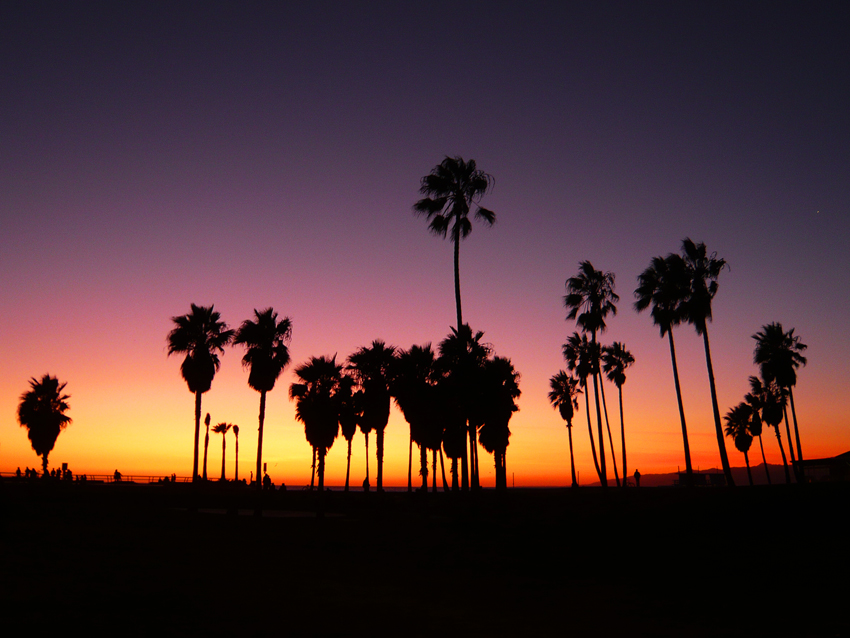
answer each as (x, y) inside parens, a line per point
(223, 448)
(688, 467)
(321, 471)
(434, 470)
(455, 487)
(443, 471)
(473, 456)
(44, 463)
(764, 460)
(622, 435)
(782, 452)
(259, 476)
(791, 445)
(366, 482)
(464, 467)
(313, 470)
(721, 442)
(379, 445)
(348, 464)
(802, 478)
(236, 474)
(423, 466)
(603, 472)
(197, 435)
(456, 240)
(206, 447)
(590, 431)
(610, 438)
(572, 458)
(410, 464)
(749, 474)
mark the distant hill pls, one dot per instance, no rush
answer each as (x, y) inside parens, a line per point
(777, 476)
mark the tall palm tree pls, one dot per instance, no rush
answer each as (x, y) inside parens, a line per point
(738, 428)
(265, 339)
(206, 443)
(756, 427)
(371, 368)
(500, 390)
(451, 189)
(42, 412)
(236, 435)
(770, 399)
(578, 354)
(349, 414)
(703, 270)
(664, 286)
(222, 428)
(201, 335)
(564, 397)
(590, 299)
(615, 361)
(317, 406)
(778, 355)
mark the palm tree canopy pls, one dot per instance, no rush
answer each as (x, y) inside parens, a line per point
(202, 336)
(349, 406)
(581, 356)
(371, 367)
(738, 424)
(413, 378)
(222, 428)
(664, 286)
(42, 412)
(778, 354)
(703, 270)
(769, 399)
(267, 353)
(590, 297)
(500, 389)
(451, 188)
(564, 395)
(615, 360)
(316, 404)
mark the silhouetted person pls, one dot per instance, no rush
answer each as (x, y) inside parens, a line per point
(117, 476)
(18, 473)
(267, 482)
(365, 485)
(637, 478)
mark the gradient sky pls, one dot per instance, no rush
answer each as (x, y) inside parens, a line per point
(267, 154)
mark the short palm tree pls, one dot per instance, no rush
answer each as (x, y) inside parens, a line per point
(615, 361)
(451, 189)
(778, 355)
(756, 427)
(371, 367)
(266, 340)
(317, 406)
(738, 428)
(42, 412)
(222, 428)
(236, 436)
(590, 299)
(578, 354)
(564, 397)
(770, 399)
(206, 443)
(349, 414)
(703, 270)
(664, 286)
(500, 390)
(201, 335)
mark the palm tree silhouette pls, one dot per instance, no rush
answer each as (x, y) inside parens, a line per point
(236, 434)
(222, 428)
(615, 361)
(578, 354)
(266, 355)
(350, 413)
(738, 428)
(590, 299)
(703, 270)
(664, 286)
(371, 369)
(563, 396)
(756, 427)
(500, 389)
(42, 412)
(201, 335)
(451, 189)
(778, 355)
(770, 400)
(206, 443)
(317, 407)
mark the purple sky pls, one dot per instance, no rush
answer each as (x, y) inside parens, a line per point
(256, 154)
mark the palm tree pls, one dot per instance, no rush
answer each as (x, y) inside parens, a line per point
(206, 443)
(756, 427)
(371, 369)
(563, 397)
(771, 401)
(222, 428)
(615, 361)
(703, 270)
(349, 414)
(590, 299)
(664, 286)
(451, 189)
(236, 434)
(201, 335)
(500, 390)
(266, 355)
(317, 406)
(738, 427)
(42, 412)
(578, 353)
(778, 355)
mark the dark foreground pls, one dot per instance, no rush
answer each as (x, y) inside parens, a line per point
(153, 560)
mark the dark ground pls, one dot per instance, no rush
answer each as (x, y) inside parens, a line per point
(172, 560)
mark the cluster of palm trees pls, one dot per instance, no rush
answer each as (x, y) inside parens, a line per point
(42, 411)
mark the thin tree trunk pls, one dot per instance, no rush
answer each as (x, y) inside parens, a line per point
(313, 470)
(782, 452)
(44, 463)
(721, 442)
(410, 464)
(688, 467)
(610, 438)
(259, 476)
(423, 466)
(797, 436)
(321, 471)
(764, 460)
(379, 447)
(366, 482)
(236, 474)
(622, 435)
(223, 448)
(443, 471)
(749, 474)
(473, 456)
(456, 239)
(590, 431)
(348, 464)
(572, 458)
(206, 447)
(603, 472)
(197, 435)
(434, 470)
(464, 467)
(790, 445)
(455, 487)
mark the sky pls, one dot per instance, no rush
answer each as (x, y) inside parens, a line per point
(248, 155)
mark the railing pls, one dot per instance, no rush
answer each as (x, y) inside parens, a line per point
(104, 478)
